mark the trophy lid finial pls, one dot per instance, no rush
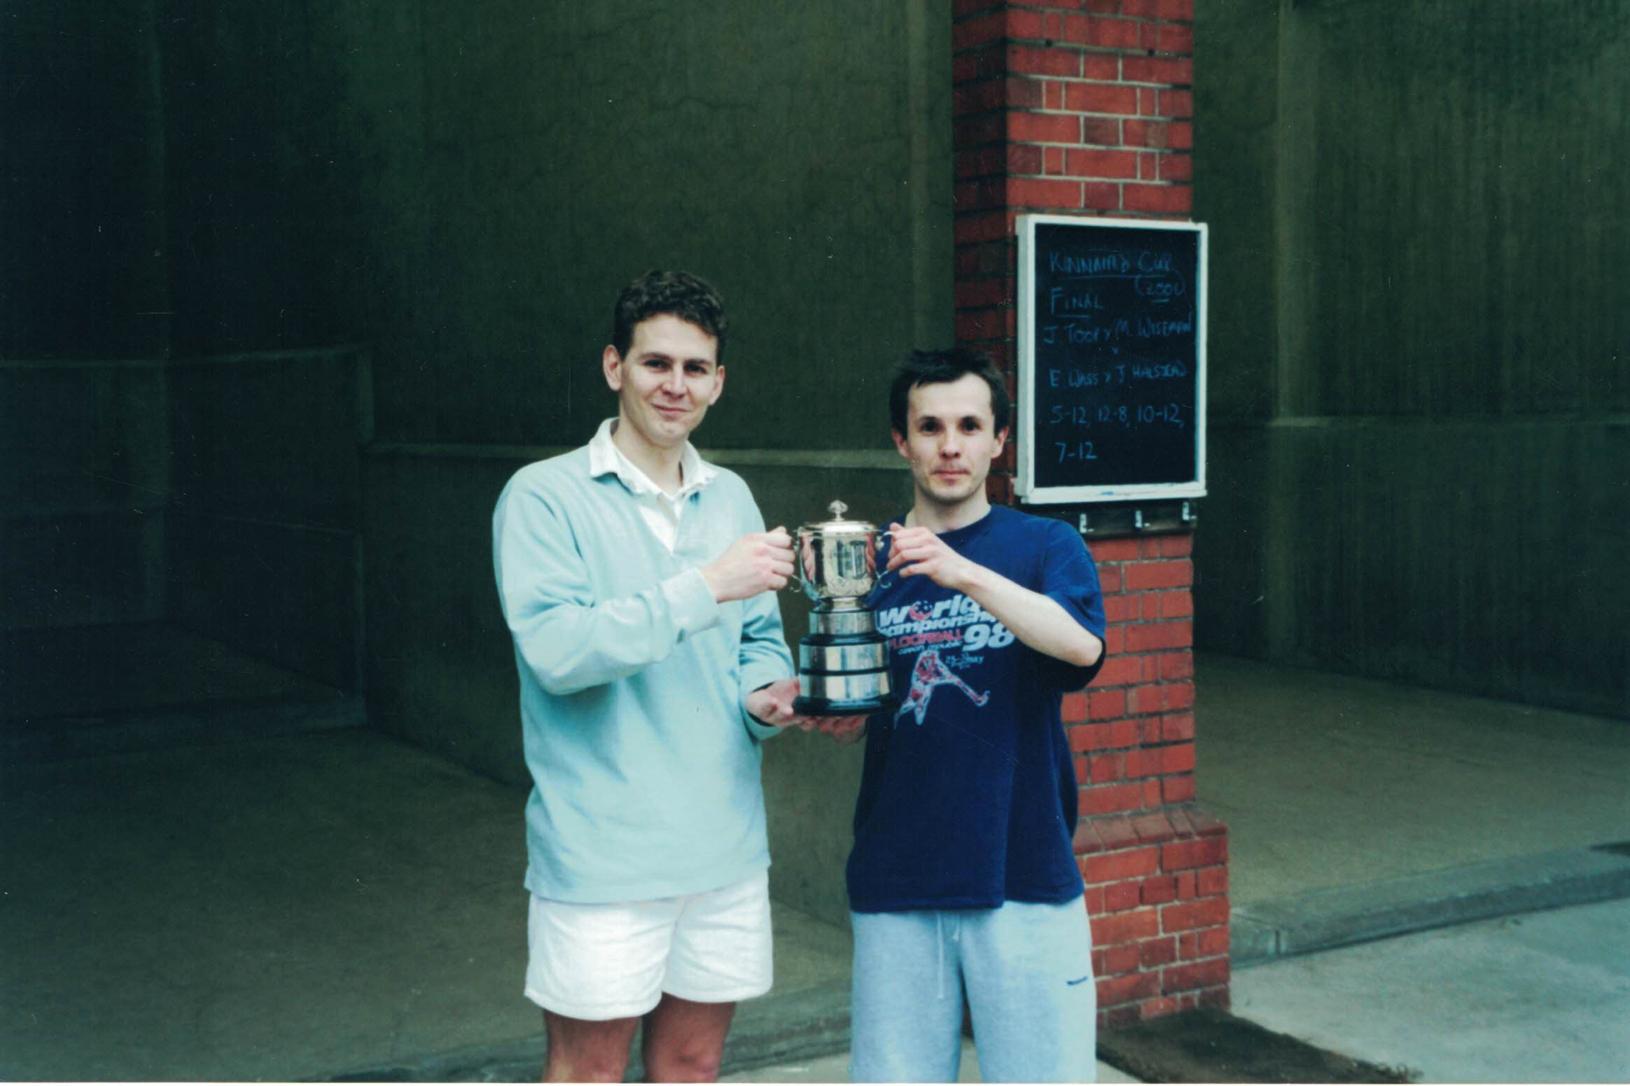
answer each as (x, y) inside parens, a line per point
(839, 522)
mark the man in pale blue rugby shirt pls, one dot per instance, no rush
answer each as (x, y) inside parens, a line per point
(638, 583)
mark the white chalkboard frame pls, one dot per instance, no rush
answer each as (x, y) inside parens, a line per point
(1025, 484)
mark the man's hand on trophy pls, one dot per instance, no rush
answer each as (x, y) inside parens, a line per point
(772, 704)
(758, 562)
(918, 551)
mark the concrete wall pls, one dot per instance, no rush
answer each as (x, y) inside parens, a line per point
(220, 494)
(465, 188)
(1421, 355)
(83, 316)
(469, 187)
(84, 487)
(83, 261)
(264, 549)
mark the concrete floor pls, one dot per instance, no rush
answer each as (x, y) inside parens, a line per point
(1328, 781)
(301, 906)
(96, 690)
(835, 1068)
(329, 903)
(267, 909)
(74, 672)
(1541, 997)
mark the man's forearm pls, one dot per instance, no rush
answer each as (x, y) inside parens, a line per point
(571, 647)
(1039, 621)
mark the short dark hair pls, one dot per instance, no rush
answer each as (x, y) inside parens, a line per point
(941, 367)
(676, 293)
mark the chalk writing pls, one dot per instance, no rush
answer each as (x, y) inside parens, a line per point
(1085, 331)
(1123, 415)
(1075, 450)
(1092, 262)
(1064, 301)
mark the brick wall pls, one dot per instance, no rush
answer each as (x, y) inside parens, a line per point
(1085, 108)
(1156, 866)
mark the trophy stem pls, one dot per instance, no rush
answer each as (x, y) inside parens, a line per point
(843, 666)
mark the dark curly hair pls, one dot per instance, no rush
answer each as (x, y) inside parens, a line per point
(942, 367)
(676, 293)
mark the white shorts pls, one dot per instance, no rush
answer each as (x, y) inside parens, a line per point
(598, 962)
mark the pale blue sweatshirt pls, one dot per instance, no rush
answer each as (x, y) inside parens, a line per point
(645, 763)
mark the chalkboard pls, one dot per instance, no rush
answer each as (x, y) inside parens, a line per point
(1111, 340)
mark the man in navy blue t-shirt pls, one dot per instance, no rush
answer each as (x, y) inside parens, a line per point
(962, 881)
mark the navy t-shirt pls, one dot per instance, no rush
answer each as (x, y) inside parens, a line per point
(968, 795)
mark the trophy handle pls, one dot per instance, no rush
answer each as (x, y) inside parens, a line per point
(805, 560)
(884, 578)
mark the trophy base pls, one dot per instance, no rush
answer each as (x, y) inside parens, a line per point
(810, 706)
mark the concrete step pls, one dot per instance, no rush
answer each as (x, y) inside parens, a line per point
(53, 738)
(1342, 916)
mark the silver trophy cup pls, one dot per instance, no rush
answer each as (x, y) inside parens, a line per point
(843, 662)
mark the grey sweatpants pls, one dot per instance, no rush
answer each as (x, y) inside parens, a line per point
(1025, 969)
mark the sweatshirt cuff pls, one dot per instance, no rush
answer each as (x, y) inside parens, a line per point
(757, 730)
(754, 675)
(690, 601)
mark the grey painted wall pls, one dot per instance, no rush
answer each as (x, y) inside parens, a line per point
(469, 186)
(84, 488)
(134, 489)
(465, 188)
(1421, 351)
(264, 547)
(462, 189)
(83, 316)
(83, 260)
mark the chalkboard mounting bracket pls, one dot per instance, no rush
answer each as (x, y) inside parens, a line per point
(1128, 518)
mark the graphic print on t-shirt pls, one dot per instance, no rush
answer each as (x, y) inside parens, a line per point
(928, 673)
(951, 636)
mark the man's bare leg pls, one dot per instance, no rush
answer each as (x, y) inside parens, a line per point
(684, 1040)
(582, 1051)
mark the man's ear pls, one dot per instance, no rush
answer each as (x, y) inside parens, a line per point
(718, 385)
(900, 443)
(1001, 440)
(611, 364)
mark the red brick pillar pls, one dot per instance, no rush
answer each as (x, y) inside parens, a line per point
(1085, 108)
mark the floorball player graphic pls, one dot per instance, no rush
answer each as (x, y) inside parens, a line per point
(930, 672)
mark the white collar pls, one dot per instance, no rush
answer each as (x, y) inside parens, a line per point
(606, 458)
